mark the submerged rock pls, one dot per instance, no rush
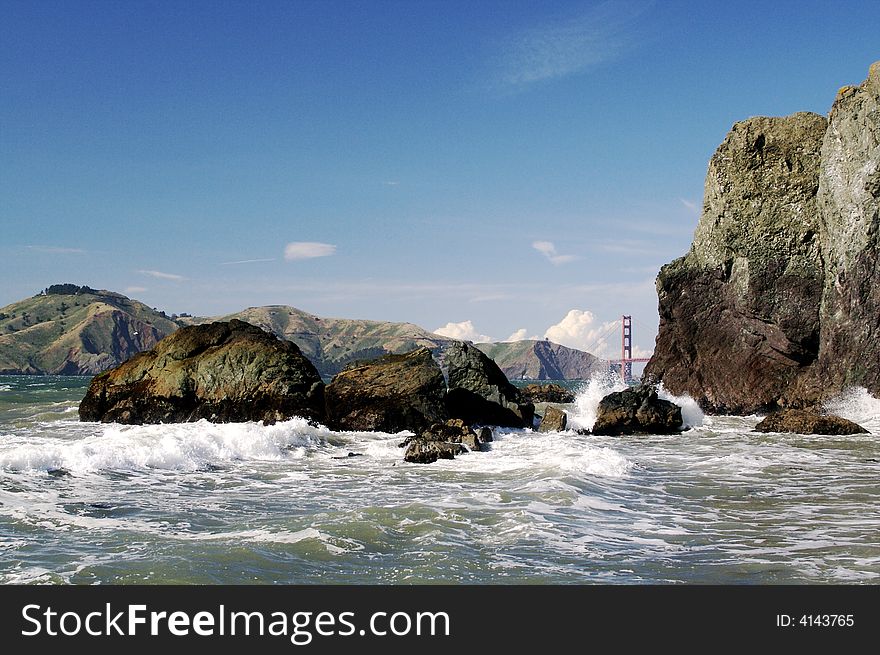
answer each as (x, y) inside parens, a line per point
(425, 451)
(777, 304)
(802, 421)
(637, 410)
(554, 420)
(222, 372)
(390, 394)
(480, 393)
(546, 393)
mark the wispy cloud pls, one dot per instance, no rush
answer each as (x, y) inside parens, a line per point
(691, 206)
(391, 183)
(308, 250)
(565, 47)
(247, 261)
(548, 249)
(135, 289)
(56, 250)
(162, 275)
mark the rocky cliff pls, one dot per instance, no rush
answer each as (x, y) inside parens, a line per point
(777, 303)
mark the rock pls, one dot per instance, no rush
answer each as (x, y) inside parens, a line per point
(485, 435)
(390, 394)
(802, 421)
(777, 303)
(637, 410)
(546, 393)
(453, 431)
(423, 451)
(480, 393)
(554, 420)
(221, 372)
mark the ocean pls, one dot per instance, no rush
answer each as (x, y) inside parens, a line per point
(87, 503)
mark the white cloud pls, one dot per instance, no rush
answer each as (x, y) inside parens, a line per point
(308, 250)
(548, 249)
(57, 250)
(691, 206)
(566, 47)
(391, 183)
(162, 276)
(135, 289)
(464, 331)
(519, 335)
(247, 261)
(578, 330)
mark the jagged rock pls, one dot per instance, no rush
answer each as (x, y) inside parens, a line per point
(777, 304)
(637, 410)
(390, 394)
(222, 372)
(802, 421)
(554, 420)
(546, 393)
(480, 393)
(453, 431)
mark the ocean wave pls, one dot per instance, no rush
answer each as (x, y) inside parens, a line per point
(179, 447)
(5, 387)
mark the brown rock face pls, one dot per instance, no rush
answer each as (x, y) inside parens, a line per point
(777, 304)
(554, 420)
(801, 421)
(390, 394)
(222, 372)
(546, 393)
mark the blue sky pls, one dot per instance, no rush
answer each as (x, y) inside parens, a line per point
(525, 167)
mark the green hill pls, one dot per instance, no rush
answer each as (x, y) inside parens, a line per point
(72, 330)
(542, 360)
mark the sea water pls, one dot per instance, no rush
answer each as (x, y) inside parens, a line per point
(92, 503)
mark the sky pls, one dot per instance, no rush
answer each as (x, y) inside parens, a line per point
(494, 170)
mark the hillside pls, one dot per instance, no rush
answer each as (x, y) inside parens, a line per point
(542, 360)
(331, 343)
(71, 330)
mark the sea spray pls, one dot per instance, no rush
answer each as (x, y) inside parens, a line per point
(857, 404)
(588, 399)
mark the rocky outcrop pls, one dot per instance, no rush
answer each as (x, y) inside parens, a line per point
(554, 420)
(637, 410)
(480, 393)
(777, 303)
(222, 372)
(389, 394)
(440, 440)
(546, 393)
(807, 422)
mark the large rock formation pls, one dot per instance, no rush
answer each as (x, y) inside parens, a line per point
(554, 420)
(802, 421)
(222, 372)
(777, 303)
(636, 410)
(480, 393)
(390, 394)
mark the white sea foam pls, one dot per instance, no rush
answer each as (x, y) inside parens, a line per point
(5, 387)
(856, 404)
(182, 446)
